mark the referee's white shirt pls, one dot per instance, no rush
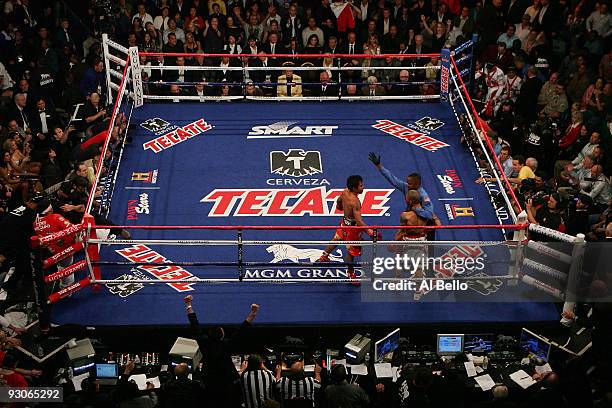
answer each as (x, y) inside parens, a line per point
(289, 388)
(257, 386)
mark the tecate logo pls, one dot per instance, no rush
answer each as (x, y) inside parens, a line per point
(290, 202)
(286, 129)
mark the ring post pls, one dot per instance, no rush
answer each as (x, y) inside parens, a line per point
(573, 277)
(92, 251)
(445, 73)
(516, 254)
(136, 76)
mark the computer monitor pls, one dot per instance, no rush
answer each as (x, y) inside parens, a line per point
(450, 344)
(386, 345)
(478, 343)
(107, 370)
(534, 345)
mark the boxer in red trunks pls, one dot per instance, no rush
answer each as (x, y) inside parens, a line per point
(349, 202)
(48, 223)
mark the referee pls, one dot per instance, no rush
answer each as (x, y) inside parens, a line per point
(297, 386)
(257, 383)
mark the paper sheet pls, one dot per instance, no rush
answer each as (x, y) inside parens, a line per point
(479, 370)
(76, 381)
(470, 369)
(336, 362)
(522, 378)
(360, 369)
(383, 370)
(140, 380)
(485, 382)
(155, 382)
(543, 369)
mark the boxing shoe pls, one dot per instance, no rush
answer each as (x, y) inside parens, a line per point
(351, 275)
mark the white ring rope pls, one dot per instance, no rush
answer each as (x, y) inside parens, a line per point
(546, 250)
(546, 270)
(293, 280)
(531, 281)
(560, 236)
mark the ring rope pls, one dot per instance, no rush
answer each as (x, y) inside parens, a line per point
(272, 56)
(546, 270)
(546, 250)
(307, 227)
(560, 236)
(290, 280)
(292, 68)
(197, 242)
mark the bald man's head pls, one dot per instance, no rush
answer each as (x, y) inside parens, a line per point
(181, 370)
(413, 197)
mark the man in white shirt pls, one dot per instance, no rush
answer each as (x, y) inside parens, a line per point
(587, 150)
(142, 15)
(509, 36)
(172, 28)
(600, 20)
(597, 186)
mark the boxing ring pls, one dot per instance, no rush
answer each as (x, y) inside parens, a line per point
(234, 201)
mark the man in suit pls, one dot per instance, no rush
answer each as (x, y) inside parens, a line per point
(404, 87)
(466, 23)
(367, 9)
(263, 76)
(176, 75)
(418, 48)
(292, 25)
(225, 74)
(491, 21)
(384, 24)
(548, 18)
(373, 88)
(351, 46)
(19, 113)
(43, 121)
(289, 84)
(325, 88)
(516, 10)
(527, 102)
(332, 46)
(63, 36)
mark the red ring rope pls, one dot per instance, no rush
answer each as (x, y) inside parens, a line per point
(304, 227)
(194, 54)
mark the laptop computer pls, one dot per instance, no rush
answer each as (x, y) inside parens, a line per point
(107, 374)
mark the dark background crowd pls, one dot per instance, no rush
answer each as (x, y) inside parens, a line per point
(542, 84)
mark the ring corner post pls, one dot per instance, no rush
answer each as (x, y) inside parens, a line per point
(136, 74)
(516, 254)
(445, 56)
(578, 248)
(92, 251)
